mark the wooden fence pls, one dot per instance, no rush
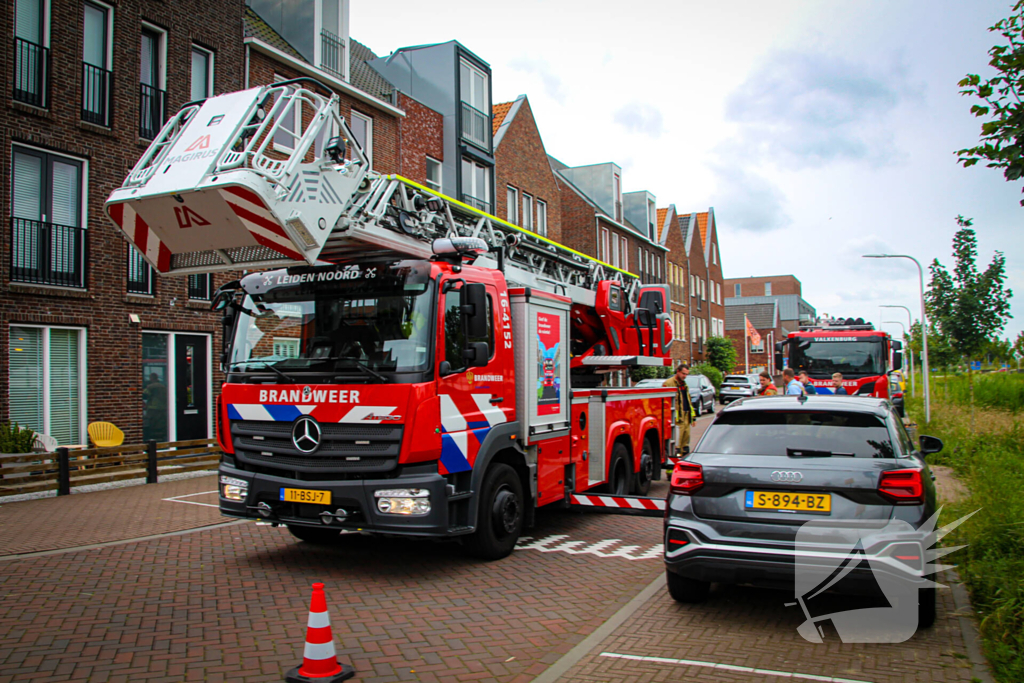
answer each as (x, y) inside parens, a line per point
(65, 468)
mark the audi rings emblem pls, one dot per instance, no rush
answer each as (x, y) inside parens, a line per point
(306, 434)
(790, 477)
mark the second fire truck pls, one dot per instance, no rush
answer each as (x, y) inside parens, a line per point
(399, 362)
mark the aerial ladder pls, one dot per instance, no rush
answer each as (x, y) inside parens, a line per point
(272, 177)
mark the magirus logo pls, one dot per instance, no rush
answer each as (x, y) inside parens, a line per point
(886, 562)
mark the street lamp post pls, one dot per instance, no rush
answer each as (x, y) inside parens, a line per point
(910, 323)
(911, 356)
(924, 330)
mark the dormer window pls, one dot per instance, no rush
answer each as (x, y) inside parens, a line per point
(332, 55)
(476, 107)
(617, 196)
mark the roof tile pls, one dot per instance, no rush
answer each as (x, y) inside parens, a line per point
(499, 111)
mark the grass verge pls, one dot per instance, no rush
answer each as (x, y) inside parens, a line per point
(990, 461)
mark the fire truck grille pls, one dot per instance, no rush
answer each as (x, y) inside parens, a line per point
(343, 448)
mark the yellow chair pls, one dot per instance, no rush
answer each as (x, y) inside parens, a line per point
(105, 434)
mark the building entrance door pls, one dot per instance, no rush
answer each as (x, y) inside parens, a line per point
(191, 384)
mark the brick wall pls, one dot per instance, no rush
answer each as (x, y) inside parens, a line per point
(714, 265)
(756, 359)
(699, 306)
(677, 256)
(578, 220)
(421, 134)
(754, 286)
(522, 162)
(113, 368)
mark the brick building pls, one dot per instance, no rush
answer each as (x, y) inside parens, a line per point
(781, 294)
(528, 194)
(677, 274)
(88, 334)
(765, 319)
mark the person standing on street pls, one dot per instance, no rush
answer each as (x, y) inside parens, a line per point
(793, 387)
(805, 380)
(837, 385)
(684, 408)
(767, 387)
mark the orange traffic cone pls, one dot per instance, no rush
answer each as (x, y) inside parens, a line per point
(319, 663)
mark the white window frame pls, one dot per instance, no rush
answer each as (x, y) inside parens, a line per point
(368, 120)
(172, 369)
(542, 218)
(110, 30)
(527, 212)
(486, 199)
(161, 48)
(467, 98)
(83, 380)
(45, 23)
(341, 31)
(210, 88)
(605, 247)
(767, 289)
(737, 290)
(440, 174)
(512, 205)
(289, 341)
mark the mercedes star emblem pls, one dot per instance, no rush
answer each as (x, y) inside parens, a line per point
(306, 434)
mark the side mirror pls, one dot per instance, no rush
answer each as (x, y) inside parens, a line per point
(444, 368)
(476, 354)
(930, 444)
(474, 310)
(221, 300)
(897, 360)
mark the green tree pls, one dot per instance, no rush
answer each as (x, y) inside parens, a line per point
(722, 354)
(1018, 346)
(1002, 135)
(968, 307)
(709, 371)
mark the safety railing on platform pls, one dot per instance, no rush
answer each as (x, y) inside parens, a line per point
(65, 468)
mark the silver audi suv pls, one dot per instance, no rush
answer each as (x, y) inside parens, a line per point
(783, 484)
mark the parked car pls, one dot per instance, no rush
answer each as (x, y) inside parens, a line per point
(702, 394)
(738, 386)
(897, 387)
(765, 468)
(646, 383)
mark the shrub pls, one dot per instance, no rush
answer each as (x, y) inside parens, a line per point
(640, 372)
(709, 371)
(16, 439)
(721, 354)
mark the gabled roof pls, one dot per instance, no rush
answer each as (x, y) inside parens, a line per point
(361, 75)
(498, 113)
(763, 316)
(702, 227)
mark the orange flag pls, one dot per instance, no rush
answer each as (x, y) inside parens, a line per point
(755, 337)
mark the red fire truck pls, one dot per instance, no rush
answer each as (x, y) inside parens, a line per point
(865, 356)
(399, 362)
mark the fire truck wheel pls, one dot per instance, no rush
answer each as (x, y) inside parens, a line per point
(501, 515)
(311, 534)
(620, 476)
(643, 478)
(687, 590)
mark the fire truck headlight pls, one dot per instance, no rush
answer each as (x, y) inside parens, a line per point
(403, 501)
(233, 489)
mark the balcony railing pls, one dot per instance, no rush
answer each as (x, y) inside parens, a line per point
(96, 91)
(140, 273)
(476, 125)
(31, 73)
(476, 203)
(332, 53)
(152, 111)
(47, 253)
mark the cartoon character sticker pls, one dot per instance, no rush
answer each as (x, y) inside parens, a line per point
(549, 381)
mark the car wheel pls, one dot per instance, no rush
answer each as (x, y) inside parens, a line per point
(926, 607)
(619, 474)
(500, 519)
(314, 535)
(687, 590)
(645, 475)
(699, 408)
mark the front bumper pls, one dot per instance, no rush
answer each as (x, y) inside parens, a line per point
(355, 497)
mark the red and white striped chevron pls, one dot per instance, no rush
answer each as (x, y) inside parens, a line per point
(627, 503)
(141, 235)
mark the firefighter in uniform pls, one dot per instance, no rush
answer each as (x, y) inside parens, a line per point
(683, 408)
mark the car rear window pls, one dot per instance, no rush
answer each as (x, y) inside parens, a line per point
(737, 378)
(798, 434)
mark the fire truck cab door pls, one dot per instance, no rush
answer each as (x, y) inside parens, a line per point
(612, 307)
(473, 399)
(651, 314)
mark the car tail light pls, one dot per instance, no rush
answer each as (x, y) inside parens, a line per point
(898, 394)
(687, 477)
(902, 486)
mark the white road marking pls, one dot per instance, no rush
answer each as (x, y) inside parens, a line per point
(192, 502)
(731, 667)
(597, 548)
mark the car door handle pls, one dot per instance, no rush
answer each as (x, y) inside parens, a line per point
(497, 400)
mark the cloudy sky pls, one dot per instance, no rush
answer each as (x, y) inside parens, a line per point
(818, 131)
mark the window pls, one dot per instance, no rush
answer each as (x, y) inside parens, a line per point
(362, 131)
(202, 73)
(737, 290)
(47, 380)
(476, 186)
(140, 278)
(333, 35)
(767, 289)
(624, 246)
(605, 249)
(47, 232)
(542, 218)
(527, 212)
(652, 221)
(714, 255)
(617, 196)
(152, 98)
(615, 249)
(96, 56)
(287, 347)
(476, 109)
(31, 53)
(512, 205)
(199, 287)
(693, 286)
(433, 174)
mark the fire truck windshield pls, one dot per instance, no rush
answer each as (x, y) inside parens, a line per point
(356, 320)
(852, 358)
